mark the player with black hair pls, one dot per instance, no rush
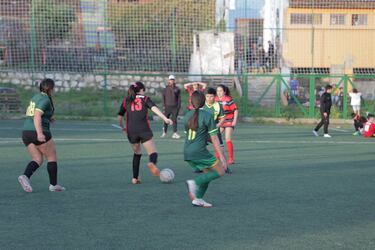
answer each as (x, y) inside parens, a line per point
(230, 114)
(358, 122)
(199, 125)
(325, 110)
(135, 106)
(37, 137)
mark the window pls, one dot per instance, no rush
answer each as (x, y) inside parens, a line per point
(299, 18)
(337, 19)
(359, 19)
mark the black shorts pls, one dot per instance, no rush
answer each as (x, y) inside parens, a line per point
(139, 137)
(29, 136)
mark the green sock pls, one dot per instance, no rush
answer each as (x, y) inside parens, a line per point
(202, 190)
(203, 180)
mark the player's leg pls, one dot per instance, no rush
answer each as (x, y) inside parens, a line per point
(136, 162)
(48, 149)
(167, 113)
(228, 140)
(326, 123)
(32, 166)
(174, 119)
(319, 125)
(150, 148)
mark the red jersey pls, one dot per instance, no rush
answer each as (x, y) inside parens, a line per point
(229, 106)
(369, 129)
(137, 114)
(190, 91)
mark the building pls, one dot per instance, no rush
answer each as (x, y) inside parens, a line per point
(330, 36)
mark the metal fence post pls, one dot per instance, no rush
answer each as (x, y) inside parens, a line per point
(345, 98)
(312, 98)
(278, 96)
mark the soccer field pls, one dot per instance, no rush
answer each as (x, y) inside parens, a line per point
(288, 190)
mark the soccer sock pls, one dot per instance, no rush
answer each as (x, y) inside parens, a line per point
(136, 163)
(154, 158)
(52, 172)
(207, 177)
(230, 149)
(31, 168)
(202, 190)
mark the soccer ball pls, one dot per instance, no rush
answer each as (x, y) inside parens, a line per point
(166, 175)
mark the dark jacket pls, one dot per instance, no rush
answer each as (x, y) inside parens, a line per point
(172, 97)
(325, 103)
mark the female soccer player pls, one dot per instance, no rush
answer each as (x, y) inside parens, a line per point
(199, 124)
(231, 115)
(194, 86)
(137, 128)
(37, 137)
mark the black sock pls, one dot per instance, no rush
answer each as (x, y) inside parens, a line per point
(31, 168)
(136, 163)
(52, 172)
(154, 158)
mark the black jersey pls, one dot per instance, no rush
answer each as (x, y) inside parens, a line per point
(137, 114)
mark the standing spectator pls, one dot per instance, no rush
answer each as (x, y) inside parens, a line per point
(172, 104)
(294, 86)
(270, 56)
(325, 110)
(191, 87)
(355, 101)
(340, 98)
(369, 128)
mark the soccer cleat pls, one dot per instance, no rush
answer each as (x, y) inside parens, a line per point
(192, 189)
(136, 181)
(176, 136)
(327, 136)
(56, 188)
(315, 133)
(25, 183)
(163, 135)
(357, 133)
(153, 169)
(201, 203)
(197, 171)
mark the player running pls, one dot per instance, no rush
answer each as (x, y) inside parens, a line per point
(231, 115)
(37, 137)
(199, 125)
(137, 127)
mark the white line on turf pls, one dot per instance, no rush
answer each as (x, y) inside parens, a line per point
(327, 141)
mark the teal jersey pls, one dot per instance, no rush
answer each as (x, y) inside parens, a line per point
(42, 103)
(215, 109)
(195, 147)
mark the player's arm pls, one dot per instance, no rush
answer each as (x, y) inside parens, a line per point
(157, 111)
(235, 117)
(187, 85)
(38, 125)
(120, 116)
(202, 84)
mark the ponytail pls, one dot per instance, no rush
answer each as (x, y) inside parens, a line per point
(197, 100)
(133, 91)
(225, 89)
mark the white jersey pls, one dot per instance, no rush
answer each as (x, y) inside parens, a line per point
(355, 98)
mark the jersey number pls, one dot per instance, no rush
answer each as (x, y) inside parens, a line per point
(191, 135)
(136, 105)
(30, 109)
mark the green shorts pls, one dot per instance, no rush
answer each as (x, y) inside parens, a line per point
(203, 164)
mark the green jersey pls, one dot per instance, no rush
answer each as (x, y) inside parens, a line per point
(215, 109)
(196, 141)
(42, 103)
